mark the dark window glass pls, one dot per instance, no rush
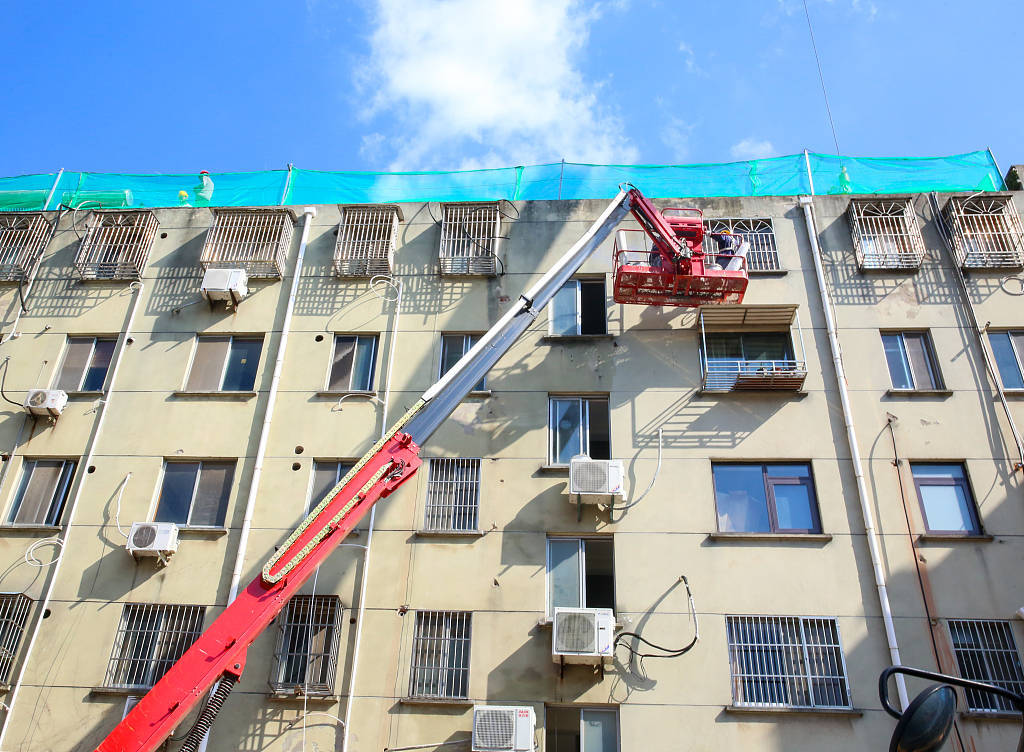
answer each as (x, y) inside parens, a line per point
(42, 493)
(765, 498)
(243, 359)
(579, 425)
(453, 347)
(224, 364)
(581, 573)
(195, 493)
(911, 360)
(86, 362)
(1007, 347)
(326, 475)
(579, 307)
(353, 365)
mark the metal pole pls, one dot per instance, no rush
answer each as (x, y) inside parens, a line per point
(1002, 179)
(287, 185)
(561, 172)
(810, 176)
(53, 188)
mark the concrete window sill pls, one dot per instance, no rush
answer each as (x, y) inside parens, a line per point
(771, 537)
(741, 710)
(449, 701)
(953, 538)
(554, 470)
(480, 393)
(119, 691)
(1012, 394)
(767, 272)
(298, 695)
(31, 528)
(919, 392)
(978, 715)
(342, 393)
(239, 396)
(449, 533)
(202, 532)
(564, 338)
(85, 395)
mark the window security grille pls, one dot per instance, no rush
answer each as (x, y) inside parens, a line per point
(763, 255)
(440, 655)
(306, 659)
(787, 661)
(116, 245)
(256, 240)
(366, 241)
(150, 638)
(986, 652)
(886, 234)
(22, 240)
(13, 617)
(987, 232)
(453, 495)
(469, 239)
(734, 361)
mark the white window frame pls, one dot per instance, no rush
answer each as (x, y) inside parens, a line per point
(227, 360)
(577, 283)
(584, 401)
(442, 653)
(61, 490)
(583, 709)
(465, 493)
(89, 360)
(581, 553)
(375, 338)
(195, 487)
(469, 339)
(295, 617)
(982, 628)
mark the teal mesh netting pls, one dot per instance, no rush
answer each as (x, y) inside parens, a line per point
(819, 174)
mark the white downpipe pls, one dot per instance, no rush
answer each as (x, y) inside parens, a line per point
(83, 468)
(250, 503)
(369, 530)
(807, 204)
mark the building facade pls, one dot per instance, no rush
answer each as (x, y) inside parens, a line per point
(729, 422)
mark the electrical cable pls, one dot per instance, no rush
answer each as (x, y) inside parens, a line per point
(821, 77)
(3, 383)
(650, 486)
(117, 509)
(666, 652)
(21, 296)
(30, 556)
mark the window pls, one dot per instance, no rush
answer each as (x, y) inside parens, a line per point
(986, 652)
(765, 498)
(986, 231)
(946, 500)
(751, 360)
(256, 240)
(785, 661)
(150, 638)
(306, 658)
(886, 234)
(116, 244)
(469, 239)
(579, 308)
(23, 237)
(453, 495)
(13, 617)
(763, 256)
(1007, 347)
(42, 493)
(353, 363)
(224, 364)
(453, 347)
(581, 573)
(326, 475)
(581, 730)
(366, 240)
(578, 425)
(440, 655)
(911, 361)
(195, 494)
(86, 361)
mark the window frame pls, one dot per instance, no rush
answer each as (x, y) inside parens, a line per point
(581, 552)
(1011, 336)
(964, 483)
(188, 525)
(1002, 705)
(120, 653)
(449, 512)
(89, 364)
(770, 481)
(939, 384)
(372, 377)
(579, 283)
(444, 651)
(62, 488)
(292, 619)
(581, 710)
(231, 337)
(347, 464)
(468, 340)
(781, 678)
(585, 406)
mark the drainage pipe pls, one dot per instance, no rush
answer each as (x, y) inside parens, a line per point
(373, 511)
(807, 204)
(102, 409)
(250, 503)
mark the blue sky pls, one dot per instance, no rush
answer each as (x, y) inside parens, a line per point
(447, 84)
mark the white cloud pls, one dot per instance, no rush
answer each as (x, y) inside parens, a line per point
(689, 58)
(675, 134)
(469, 83)
(752, 148)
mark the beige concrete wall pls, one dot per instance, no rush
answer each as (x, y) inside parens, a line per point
(649, 367)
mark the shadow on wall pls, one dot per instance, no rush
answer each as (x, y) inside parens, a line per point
(279, 726)
(694, 422)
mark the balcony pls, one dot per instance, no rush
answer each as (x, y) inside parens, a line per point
(750, 348)
(23, 238)
(366, 240)
(256, 240)
(469, 240)
(886, 235)
(116, 245)
(986, 232)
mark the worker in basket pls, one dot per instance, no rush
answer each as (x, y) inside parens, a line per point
(732, 251)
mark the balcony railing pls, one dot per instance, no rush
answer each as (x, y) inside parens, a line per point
(23, 237)
(763, 255)
(469, 240)
(987, 232)
(116, 245)
(886, 235)
(721, 375)
(366, 240)
(256, 240)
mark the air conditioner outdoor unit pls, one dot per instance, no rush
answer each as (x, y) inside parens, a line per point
(49, 402)
(152, 539)
(229, 285)
(593, 481)
(582, 635)
(503, 728)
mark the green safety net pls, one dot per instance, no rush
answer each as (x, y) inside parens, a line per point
(797, 174)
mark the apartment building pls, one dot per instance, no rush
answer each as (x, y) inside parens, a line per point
(728, 421)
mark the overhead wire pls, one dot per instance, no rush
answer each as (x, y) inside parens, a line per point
(821, 78)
